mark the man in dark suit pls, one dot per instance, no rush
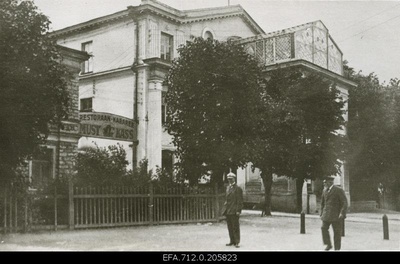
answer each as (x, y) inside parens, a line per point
(333, 211)
(232, 209)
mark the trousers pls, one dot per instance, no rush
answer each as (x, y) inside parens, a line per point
(233, 228)
(337, 233)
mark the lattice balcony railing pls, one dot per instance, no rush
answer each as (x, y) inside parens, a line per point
(310, 42)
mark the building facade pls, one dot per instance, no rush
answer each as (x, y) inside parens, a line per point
(120, 86)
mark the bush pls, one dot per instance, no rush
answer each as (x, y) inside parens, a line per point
(107, 166)
(101, 166)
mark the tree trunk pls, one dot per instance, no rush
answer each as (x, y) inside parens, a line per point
(217, 177)
(267, 181)
(299, 194)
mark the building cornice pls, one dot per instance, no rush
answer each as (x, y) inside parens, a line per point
(91, 24)
(103, 73)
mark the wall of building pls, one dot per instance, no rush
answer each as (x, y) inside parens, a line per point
(222, 28)
(113, 45)
(67, 154)
(112, 93)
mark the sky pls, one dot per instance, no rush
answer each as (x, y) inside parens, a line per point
(367, 32)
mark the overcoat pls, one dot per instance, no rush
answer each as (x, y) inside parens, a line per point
(234, 200)
(333, 203)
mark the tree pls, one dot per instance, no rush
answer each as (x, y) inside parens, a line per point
(224, 111)
(391, 177)
(299, 129)
(33, 83)
(213, 99)
(373, 130)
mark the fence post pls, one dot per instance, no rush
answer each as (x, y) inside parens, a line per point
(71, 205)
(151, 203)
(216, 200)
(10, 223)
(55, 206)
(302, 223)
(5, 211)
(26, 213)
(385, 227)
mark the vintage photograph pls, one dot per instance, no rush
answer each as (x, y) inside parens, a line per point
(200, 130)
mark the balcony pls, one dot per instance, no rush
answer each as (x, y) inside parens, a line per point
(309, 42)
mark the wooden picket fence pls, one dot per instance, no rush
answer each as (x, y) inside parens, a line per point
(112, 206)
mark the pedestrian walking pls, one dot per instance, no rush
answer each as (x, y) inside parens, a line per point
(232, 209)
(333, 211)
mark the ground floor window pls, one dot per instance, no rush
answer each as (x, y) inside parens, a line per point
(167, 161)
(42, 167)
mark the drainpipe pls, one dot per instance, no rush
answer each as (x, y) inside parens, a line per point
(135, 142)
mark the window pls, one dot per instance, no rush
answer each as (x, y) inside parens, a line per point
(208, 35)
(87, 66)
(166, 47)
(86, 105)
(42, 167)
(167, 161)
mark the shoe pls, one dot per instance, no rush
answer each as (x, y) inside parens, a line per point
(230, 244)
(237, 246)
(328, 247)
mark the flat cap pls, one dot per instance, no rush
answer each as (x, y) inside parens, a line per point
(329, 178)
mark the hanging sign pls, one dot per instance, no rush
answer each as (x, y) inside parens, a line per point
(105, 125)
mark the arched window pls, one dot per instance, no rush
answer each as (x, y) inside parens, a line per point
(208, 33)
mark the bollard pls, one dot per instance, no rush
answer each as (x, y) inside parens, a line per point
(343, 227)
(385, 227)
(302, 223)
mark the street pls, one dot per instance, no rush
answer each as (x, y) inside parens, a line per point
(281, 232)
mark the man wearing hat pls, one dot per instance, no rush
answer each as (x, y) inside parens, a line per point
(232, 209)
(333, 211)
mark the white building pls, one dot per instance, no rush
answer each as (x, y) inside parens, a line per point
(120, 87)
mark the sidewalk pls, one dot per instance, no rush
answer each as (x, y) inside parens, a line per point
(366, 217)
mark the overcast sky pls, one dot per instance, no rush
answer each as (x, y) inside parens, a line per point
(367, 32)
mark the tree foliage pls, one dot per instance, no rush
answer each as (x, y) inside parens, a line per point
(212, 98)
(225, 111)
(299, 128)
(374, 118)
(300, 138)
(33, 82)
